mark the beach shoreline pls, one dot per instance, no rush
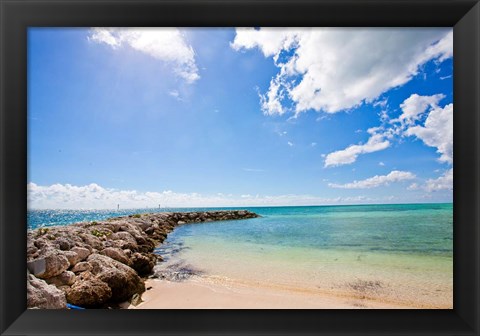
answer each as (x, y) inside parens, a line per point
(202, 293)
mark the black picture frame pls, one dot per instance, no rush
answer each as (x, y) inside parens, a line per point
(16, 16)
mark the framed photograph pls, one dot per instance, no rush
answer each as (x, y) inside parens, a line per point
(208, 167)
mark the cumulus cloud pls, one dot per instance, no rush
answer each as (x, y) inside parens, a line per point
(165, 44)
(414, 106)
(376, 181)
(444, 182)
(333, 69)
(93, 196)
(349, 155)
(437, 131)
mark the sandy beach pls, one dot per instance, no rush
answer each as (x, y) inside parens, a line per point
(204, 293)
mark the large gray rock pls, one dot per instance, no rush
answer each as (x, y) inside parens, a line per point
(42, 295)
(122, 279)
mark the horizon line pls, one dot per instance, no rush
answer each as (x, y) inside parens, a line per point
(245, 206)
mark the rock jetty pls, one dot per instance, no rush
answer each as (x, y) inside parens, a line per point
(101, 263)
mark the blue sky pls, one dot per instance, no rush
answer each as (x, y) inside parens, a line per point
(223, 117)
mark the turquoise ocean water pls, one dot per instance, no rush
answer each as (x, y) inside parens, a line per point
(402, 253)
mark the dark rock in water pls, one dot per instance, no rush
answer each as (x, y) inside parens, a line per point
(42, 295)
(88, 291)
(122, 280)
(176, 272)
(142, 263)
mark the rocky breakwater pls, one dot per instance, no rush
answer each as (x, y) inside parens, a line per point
(99, 264)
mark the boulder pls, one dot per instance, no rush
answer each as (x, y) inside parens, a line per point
(42, 295)
(49, 266)
(82, 252)
(81, 267)
(88, 291)
(92, 241)
(72, 257)
(124, 240)
(66, 278)
(143, 263)
(122, 279)
(116, 254)
(40, 243)
(64, 243)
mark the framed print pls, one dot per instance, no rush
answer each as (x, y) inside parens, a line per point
(248, 167)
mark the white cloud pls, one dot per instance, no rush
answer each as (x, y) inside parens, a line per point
(381, 163)
(414, 106)
(175, 94)
(333, 69)
(413, 186)
(376, 181)
(270, 40)
(290, 143)
(349, 155)
(437, 131)
(93, 196)
(270, 103)
(444, 182)
(165, 44)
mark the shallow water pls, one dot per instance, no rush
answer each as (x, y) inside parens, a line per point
(395, 253)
